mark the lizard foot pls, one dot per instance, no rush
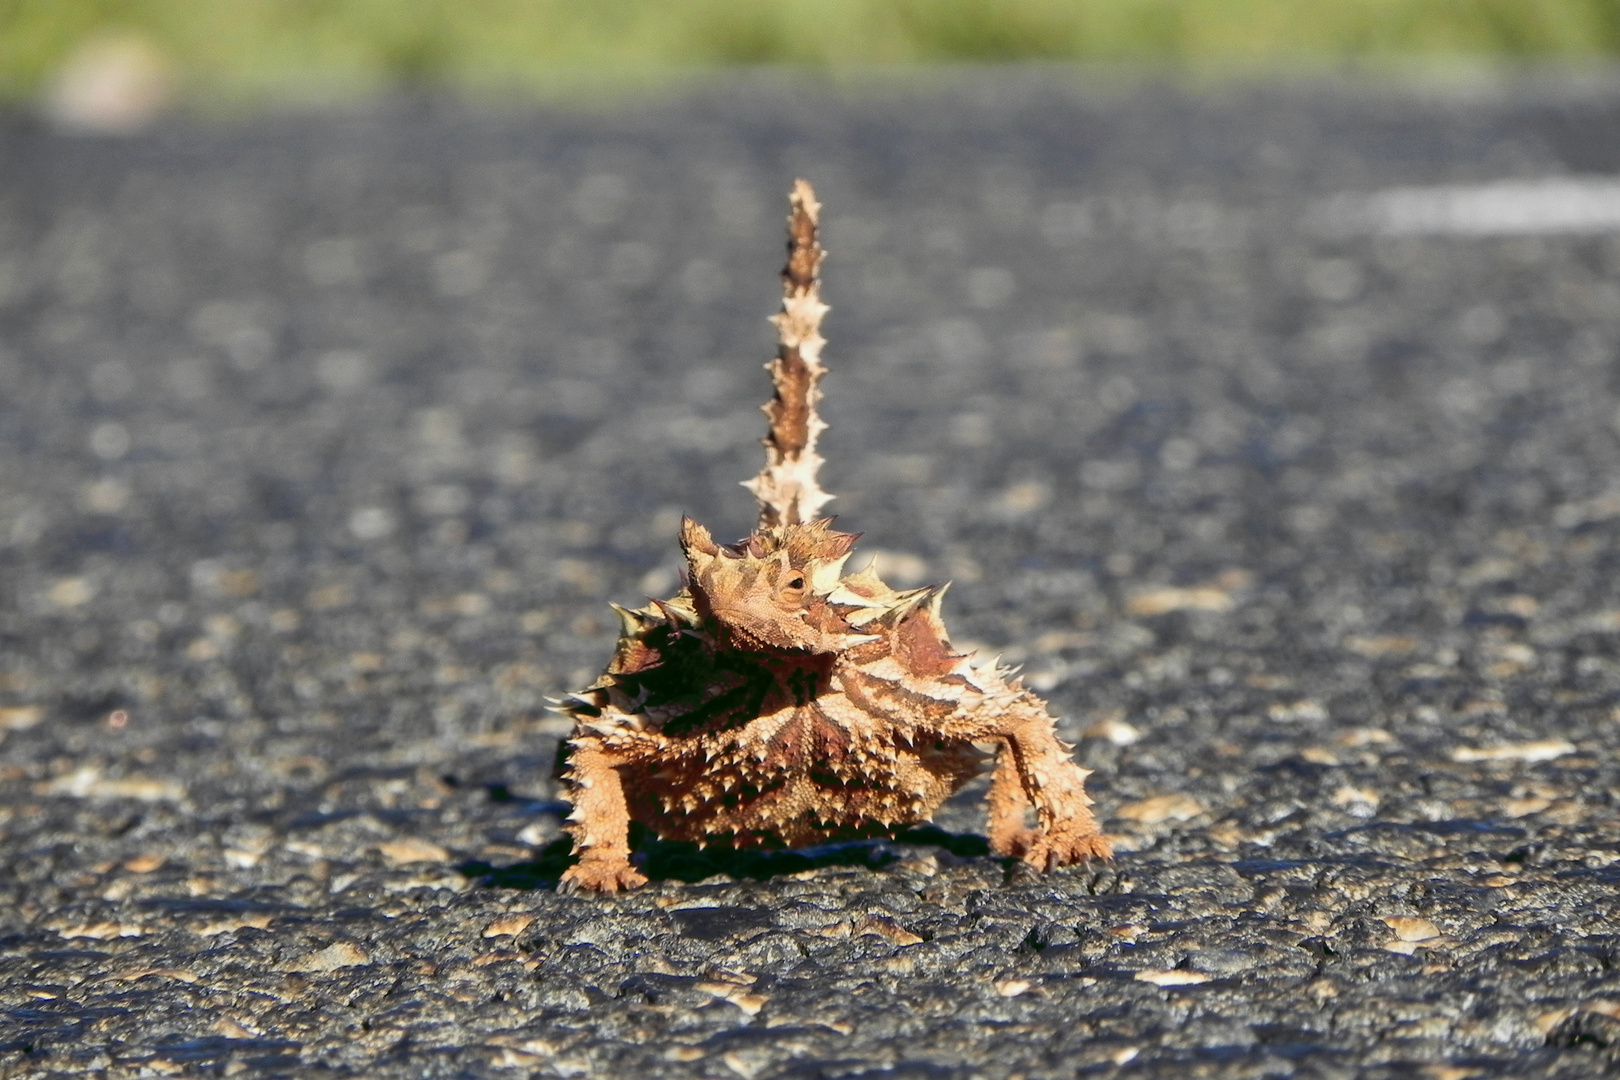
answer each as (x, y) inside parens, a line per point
(1064, 847)
(603, 875)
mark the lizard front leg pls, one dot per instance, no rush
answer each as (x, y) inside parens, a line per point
(1033, 768)
(1008, 822)
(600, 821)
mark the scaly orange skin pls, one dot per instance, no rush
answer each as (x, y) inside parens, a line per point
(776, 703)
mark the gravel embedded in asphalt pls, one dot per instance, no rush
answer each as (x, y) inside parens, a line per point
(325, 440)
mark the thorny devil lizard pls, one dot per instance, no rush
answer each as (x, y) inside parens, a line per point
(775, 702)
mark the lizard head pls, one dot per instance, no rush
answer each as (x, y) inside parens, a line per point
(770, 590)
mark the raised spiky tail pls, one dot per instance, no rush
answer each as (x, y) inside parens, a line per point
(786, 487)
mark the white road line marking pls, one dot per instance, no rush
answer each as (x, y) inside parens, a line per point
(1503, 208)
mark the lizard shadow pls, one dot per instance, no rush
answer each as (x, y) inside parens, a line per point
(665, 860)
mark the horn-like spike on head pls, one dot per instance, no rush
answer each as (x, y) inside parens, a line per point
(837, 544)
(629, 621)
(695, 537)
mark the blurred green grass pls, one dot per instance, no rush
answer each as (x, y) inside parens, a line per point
(246, 49)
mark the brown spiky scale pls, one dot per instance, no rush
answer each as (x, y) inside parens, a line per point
(775, 701)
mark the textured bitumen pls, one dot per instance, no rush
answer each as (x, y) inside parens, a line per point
(325, 440)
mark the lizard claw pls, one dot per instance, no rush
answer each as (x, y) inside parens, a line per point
(600, 875)
(1064, 847)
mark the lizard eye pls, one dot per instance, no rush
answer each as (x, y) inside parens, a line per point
(792, 587)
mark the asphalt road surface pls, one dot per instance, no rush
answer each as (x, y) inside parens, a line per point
(1281, 452)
